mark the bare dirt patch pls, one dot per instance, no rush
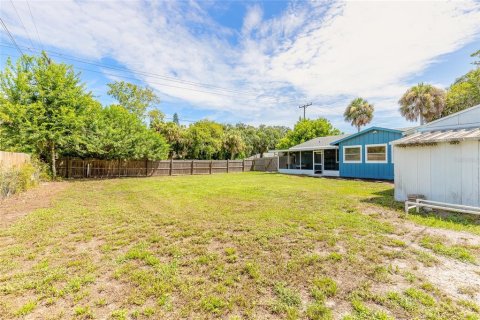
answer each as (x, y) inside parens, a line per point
(23, 203)
(449, 274)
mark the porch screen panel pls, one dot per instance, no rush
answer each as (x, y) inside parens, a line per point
(307, 160)
(330, 158)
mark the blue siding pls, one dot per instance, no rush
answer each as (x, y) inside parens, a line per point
(383, 171)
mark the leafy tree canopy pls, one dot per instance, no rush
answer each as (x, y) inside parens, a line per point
(134, 98)
(122, 135)
(464, 93)
(305, 130)
(43, 107)
(204, 140)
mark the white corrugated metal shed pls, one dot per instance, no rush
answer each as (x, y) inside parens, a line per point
(439, 136)
(441, 160)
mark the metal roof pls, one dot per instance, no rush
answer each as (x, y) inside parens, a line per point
(432, 137)
(318, 143)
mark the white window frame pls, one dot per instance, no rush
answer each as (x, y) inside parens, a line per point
(376, 145)
(353, 161)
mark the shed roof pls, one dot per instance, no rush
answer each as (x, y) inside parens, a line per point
(429, 137)
(350, 136)
(318, 143)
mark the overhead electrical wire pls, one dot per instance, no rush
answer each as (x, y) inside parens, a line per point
(152, 75)
(12, 39)
(35, 25)
(21, 22)
(212, 88)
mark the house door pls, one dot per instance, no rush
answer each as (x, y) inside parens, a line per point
(318, 162)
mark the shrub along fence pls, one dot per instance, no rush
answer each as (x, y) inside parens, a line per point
(17, 173)
(92, 168)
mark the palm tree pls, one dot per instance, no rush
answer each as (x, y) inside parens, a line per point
(422, 101)
(359, 112)
(233, 143)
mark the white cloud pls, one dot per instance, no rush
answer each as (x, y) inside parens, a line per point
(313, 51)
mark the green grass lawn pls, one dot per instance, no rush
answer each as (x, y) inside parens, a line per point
(236, 246)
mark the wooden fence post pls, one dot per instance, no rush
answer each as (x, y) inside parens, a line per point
(68, 168)
(171, 166)
(228, 164)
(211, 163)
(253, 165)
(191, 171)
(119, 168)
(243, 165)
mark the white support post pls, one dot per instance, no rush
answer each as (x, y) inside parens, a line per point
(313, 162)
(300, 160)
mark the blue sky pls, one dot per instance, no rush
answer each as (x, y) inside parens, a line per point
(254, 61)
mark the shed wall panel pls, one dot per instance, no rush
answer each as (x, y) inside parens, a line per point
(444, 172)
(470, 172)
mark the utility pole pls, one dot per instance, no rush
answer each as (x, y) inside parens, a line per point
(305, 108)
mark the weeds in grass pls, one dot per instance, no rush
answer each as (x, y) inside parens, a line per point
(26, 308)
(457, 252)
(323, 288)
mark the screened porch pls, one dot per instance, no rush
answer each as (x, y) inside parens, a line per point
(320, 162)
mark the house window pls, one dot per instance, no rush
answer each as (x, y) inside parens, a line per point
(376, 153)
(352, 154)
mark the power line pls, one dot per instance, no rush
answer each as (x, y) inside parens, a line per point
(214, 92)
(153, 75)
(21, 22)
(12, 39)
(35, 25)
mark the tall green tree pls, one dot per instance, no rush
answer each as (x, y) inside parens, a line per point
(175, 136)
(204, 140)
(122, 135)
(423, 101)
(268, 137)
(43, 107)
(359, 113)
(132, 97)
(175, 119)
(233, 143)
(156, 118)
(464, 93)
(305, 130)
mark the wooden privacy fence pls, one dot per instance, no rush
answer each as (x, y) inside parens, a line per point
(13, 159)
(92, 168)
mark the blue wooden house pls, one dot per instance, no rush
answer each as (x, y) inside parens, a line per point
(364, 155)
(367, 154)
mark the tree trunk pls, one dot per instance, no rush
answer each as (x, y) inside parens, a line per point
(261, 154)
(358, 128)
(54, 169)
(422, 121)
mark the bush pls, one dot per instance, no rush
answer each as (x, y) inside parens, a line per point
(14, 180)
